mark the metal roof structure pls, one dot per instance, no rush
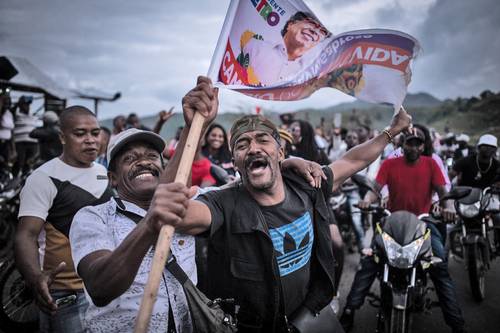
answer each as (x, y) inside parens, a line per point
(21, 75)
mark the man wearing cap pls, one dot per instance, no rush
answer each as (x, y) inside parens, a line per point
(113, 254)
(269, 241)
(481, 169)
(112, 244)
(52, 195)
(463, 149)
(411, 180)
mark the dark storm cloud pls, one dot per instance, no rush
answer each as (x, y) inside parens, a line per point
(461, 46)
(152, 51)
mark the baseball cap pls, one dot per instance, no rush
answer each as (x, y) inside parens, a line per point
(133, 135)
(416, 133)
(463, 137)
(489, 140)
(251, 123)
(50, 117)
(285, 135)
(25, 99)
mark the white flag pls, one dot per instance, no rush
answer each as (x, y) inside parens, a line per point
(279, 50)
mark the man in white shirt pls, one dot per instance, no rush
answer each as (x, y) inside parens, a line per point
(52, 195)
(275, 62)
(6, 127)
(112, 244)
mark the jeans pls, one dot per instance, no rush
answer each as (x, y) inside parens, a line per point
(352, 199)
(26, 151)
(445, 289)
(68, 318)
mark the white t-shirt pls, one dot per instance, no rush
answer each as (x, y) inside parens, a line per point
(24, 124)
(6, 126)
(103, 228)
(54, 193)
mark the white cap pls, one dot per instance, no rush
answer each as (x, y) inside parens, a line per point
(449, 135)
(489, 140)
(463, 137)
(133, 135)
(50, 117)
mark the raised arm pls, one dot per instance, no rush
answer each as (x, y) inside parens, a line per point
(163, 117)
(108, 274)
(361, 156)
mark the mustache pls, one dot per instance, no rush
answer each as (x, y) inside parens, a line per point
(133, 173)
(254, 158)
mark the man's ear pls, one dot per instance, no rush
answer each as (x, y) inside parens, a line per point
(61, 137)
(234, 165)
(281, 154)
(112, 179)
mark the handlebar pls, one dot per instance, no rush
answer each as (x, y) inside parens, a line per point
(374, 208)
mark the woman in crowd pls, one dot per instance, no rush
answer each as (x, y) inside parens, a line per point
(305, 144)
(216, 148)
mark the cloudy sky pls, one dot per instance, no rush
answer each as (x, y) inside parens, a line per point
(152, 51)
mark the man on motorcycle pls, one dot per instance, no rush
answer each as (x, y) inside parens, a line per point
(479, 170)
(411, 180)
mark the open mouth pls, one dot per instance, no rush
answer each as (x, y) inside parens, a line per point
(145, 174)
(309, 35)
(256, 165)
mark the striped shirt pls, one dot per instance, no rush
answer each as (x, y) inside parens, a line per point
(24, 124)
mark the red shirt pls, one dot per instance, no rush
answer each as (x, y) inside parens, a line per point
(410, 186)
(201, 172)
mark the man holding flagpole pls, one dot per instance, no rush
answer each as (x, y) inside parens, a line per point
(269, 242)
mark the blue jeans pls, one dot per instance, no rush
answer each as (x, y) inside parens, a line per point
(352, 199)
(68, 318)
(445, 289)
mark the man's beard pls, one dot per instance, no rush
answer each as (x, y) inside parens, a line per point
(412, 157)
(261, 186)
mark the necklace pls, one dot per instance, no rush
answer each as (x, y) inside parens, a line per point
(479, 171)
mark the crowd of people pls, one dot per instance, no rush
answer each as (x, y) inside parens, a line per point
(92, 206)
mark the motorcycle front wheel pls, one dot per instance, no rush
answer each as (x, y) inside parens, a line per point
(18, 311)
(477, 270)
(400, 321)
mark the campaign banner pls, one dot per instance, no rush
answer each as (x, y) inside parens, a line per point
(279, 50)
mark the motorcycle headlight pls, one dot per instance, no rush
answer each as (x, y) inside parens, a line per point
(401, 256)
(469, 211)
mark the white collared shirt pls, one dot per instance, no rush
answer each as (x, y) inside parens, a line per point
(270, 62)
(103, 228)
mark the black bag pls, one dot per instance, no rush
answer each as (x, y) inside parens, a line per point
(207, 315)
(304, 321)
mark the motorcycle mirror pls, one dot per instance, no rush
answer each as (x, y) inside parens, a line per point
(221, 176)
(367, 183)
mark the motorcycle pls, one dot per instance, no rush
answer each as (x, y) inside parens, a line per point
(478, 243)
(18, 311)
(402, 247)
(343, 215)
(338, 203)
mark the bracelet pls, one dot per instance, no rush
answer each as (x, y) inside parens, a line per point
(389, 136)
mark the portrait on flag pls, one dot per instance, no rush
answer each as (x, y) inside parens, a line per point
(279, 50)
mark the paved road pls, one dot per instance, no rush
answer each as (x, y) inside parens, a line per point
(480, 317)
